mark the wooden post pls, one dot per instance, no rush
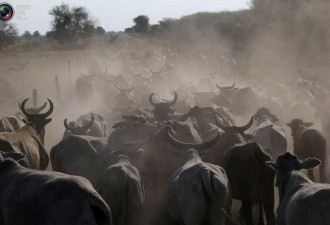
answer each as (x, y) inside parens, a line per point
(69, 70)
(35, 98)
(57, 84)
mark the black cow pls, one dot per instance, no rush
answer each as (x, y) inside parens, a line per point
(33, 197)
(309, 143)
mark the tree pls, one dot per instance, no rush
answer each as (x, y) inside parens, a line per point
(141, 24)
(36, 34)
(99, 31)
(27, 35)
(69, 25)
(8, 34)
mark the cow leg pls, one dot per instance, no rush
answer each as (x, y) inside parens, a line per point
(311, 175)
(246, 211)
(270, 216)
(322, 169)
(261, 216)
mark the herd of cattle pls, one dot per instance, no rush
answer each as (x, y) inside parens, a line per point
(147, 160)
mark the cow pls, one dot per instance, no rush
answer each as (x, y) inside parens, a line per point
(91, 124)
(81, 156)
(29, 139)
(121, 188)
(47, 198)
(226, 91)
(251, 181)
(269, 135)
(301, 200)
(13, 123)
(309, 143)
(160, 162)
(10, 123)
(205, 118)
(198, 193)
(89, 156)
(163, 111)
(124, 99)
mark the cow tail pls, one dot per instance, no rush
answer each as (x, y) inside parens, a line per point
(125, 199)
(206, 178)
(54, 159)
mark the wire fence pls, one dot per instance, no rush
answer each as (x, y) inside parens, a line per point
(52, 89)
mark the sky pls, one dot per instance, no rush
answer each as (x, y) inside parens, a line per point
(116, 15)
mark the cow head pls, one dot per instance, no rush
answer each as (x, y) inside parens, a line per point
(76, 129)
(134, 129)
(35, 110)
(226, 91)
(38, 120)
(263, 113)
(200, 147)
(297, 127)
(285, 164)
(163, 110)
(235, 129)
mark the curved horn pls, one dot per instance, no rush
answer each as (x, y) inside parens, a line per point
(72, 129)
(247, 126)
(38, 110)
(51, 108)
(151, 101)
(185, 146)
(222, 126)
(174, 100)
(28, 115)
(226, 88)
(124, 90)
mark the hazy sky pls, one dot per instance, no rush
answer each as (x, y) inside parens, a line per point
(116, 15)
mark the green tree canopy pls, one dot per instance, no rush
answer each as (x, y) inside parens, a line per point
(99, 31)
(141, 24)
(69, 25)
(8, 34)
(36, 34)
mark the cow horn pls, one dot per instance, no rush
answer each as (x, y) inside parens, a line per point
(247, 126)
(51, 108)
(124, 90)
(79, 130)
(38, 110)
(235, 128)
(151, 101)
(66, 125)
(185, 146)
(226, 88)
(174, 100)
(23, 108)
(222, 126)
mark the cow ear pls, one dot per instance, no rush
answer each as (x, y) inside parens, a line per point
(308, 124)
(13, 155)
(271, 164)
(289, 125)
(309, 163)
(48, 121)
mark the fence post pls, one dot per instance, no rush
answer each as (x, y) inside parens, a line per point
(57, 84)
(35, 98)
(69, 70)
